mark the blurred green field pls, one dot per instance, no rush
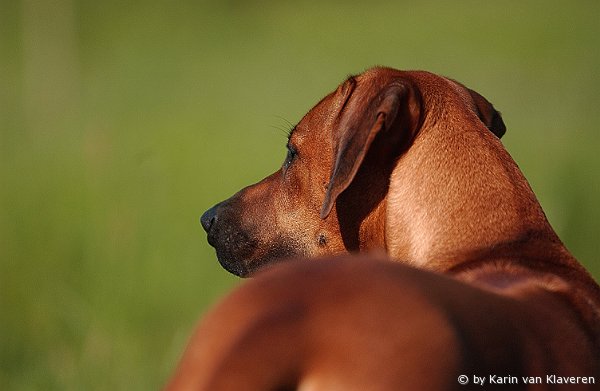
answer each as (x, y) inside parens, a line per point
(122, 121)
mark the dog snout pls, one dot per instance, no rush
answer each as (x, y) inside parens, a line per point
(209, 218)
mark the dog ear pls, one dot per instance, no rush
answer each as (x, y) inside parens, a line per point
(358, 127)
(487, 114)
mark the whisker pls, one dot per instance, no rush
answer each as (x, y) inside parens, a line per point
(282, 129)
(289, 126)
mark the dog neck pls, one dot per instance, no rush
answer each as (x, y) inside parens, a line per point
(455, 191)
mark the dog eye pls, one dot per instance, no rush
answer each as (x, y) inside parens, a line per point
(291, 154)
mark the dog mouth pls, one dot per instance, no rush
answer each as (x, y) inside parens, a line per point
(234, 249)
(243, 256)
(247, 266)
(244, 248)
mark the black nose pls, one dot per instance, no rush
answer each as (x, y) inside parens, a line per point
(208, 218)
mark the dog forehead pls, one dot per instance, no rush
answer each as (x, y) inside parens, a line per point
(322, 117)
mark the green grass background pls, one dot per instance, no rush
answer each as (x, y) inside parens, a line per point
(122, 121)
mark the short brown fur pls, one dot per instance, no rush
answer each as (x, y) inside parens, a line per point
(406, 164)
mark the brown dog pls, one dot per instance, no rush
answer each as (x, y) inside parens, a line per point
(404, 162)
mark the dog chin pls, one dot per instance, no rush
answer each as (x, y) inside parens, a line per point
(247, 266)
(236, 268)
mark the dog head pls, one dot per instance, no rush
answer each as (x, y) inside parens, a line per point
(329, 195)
